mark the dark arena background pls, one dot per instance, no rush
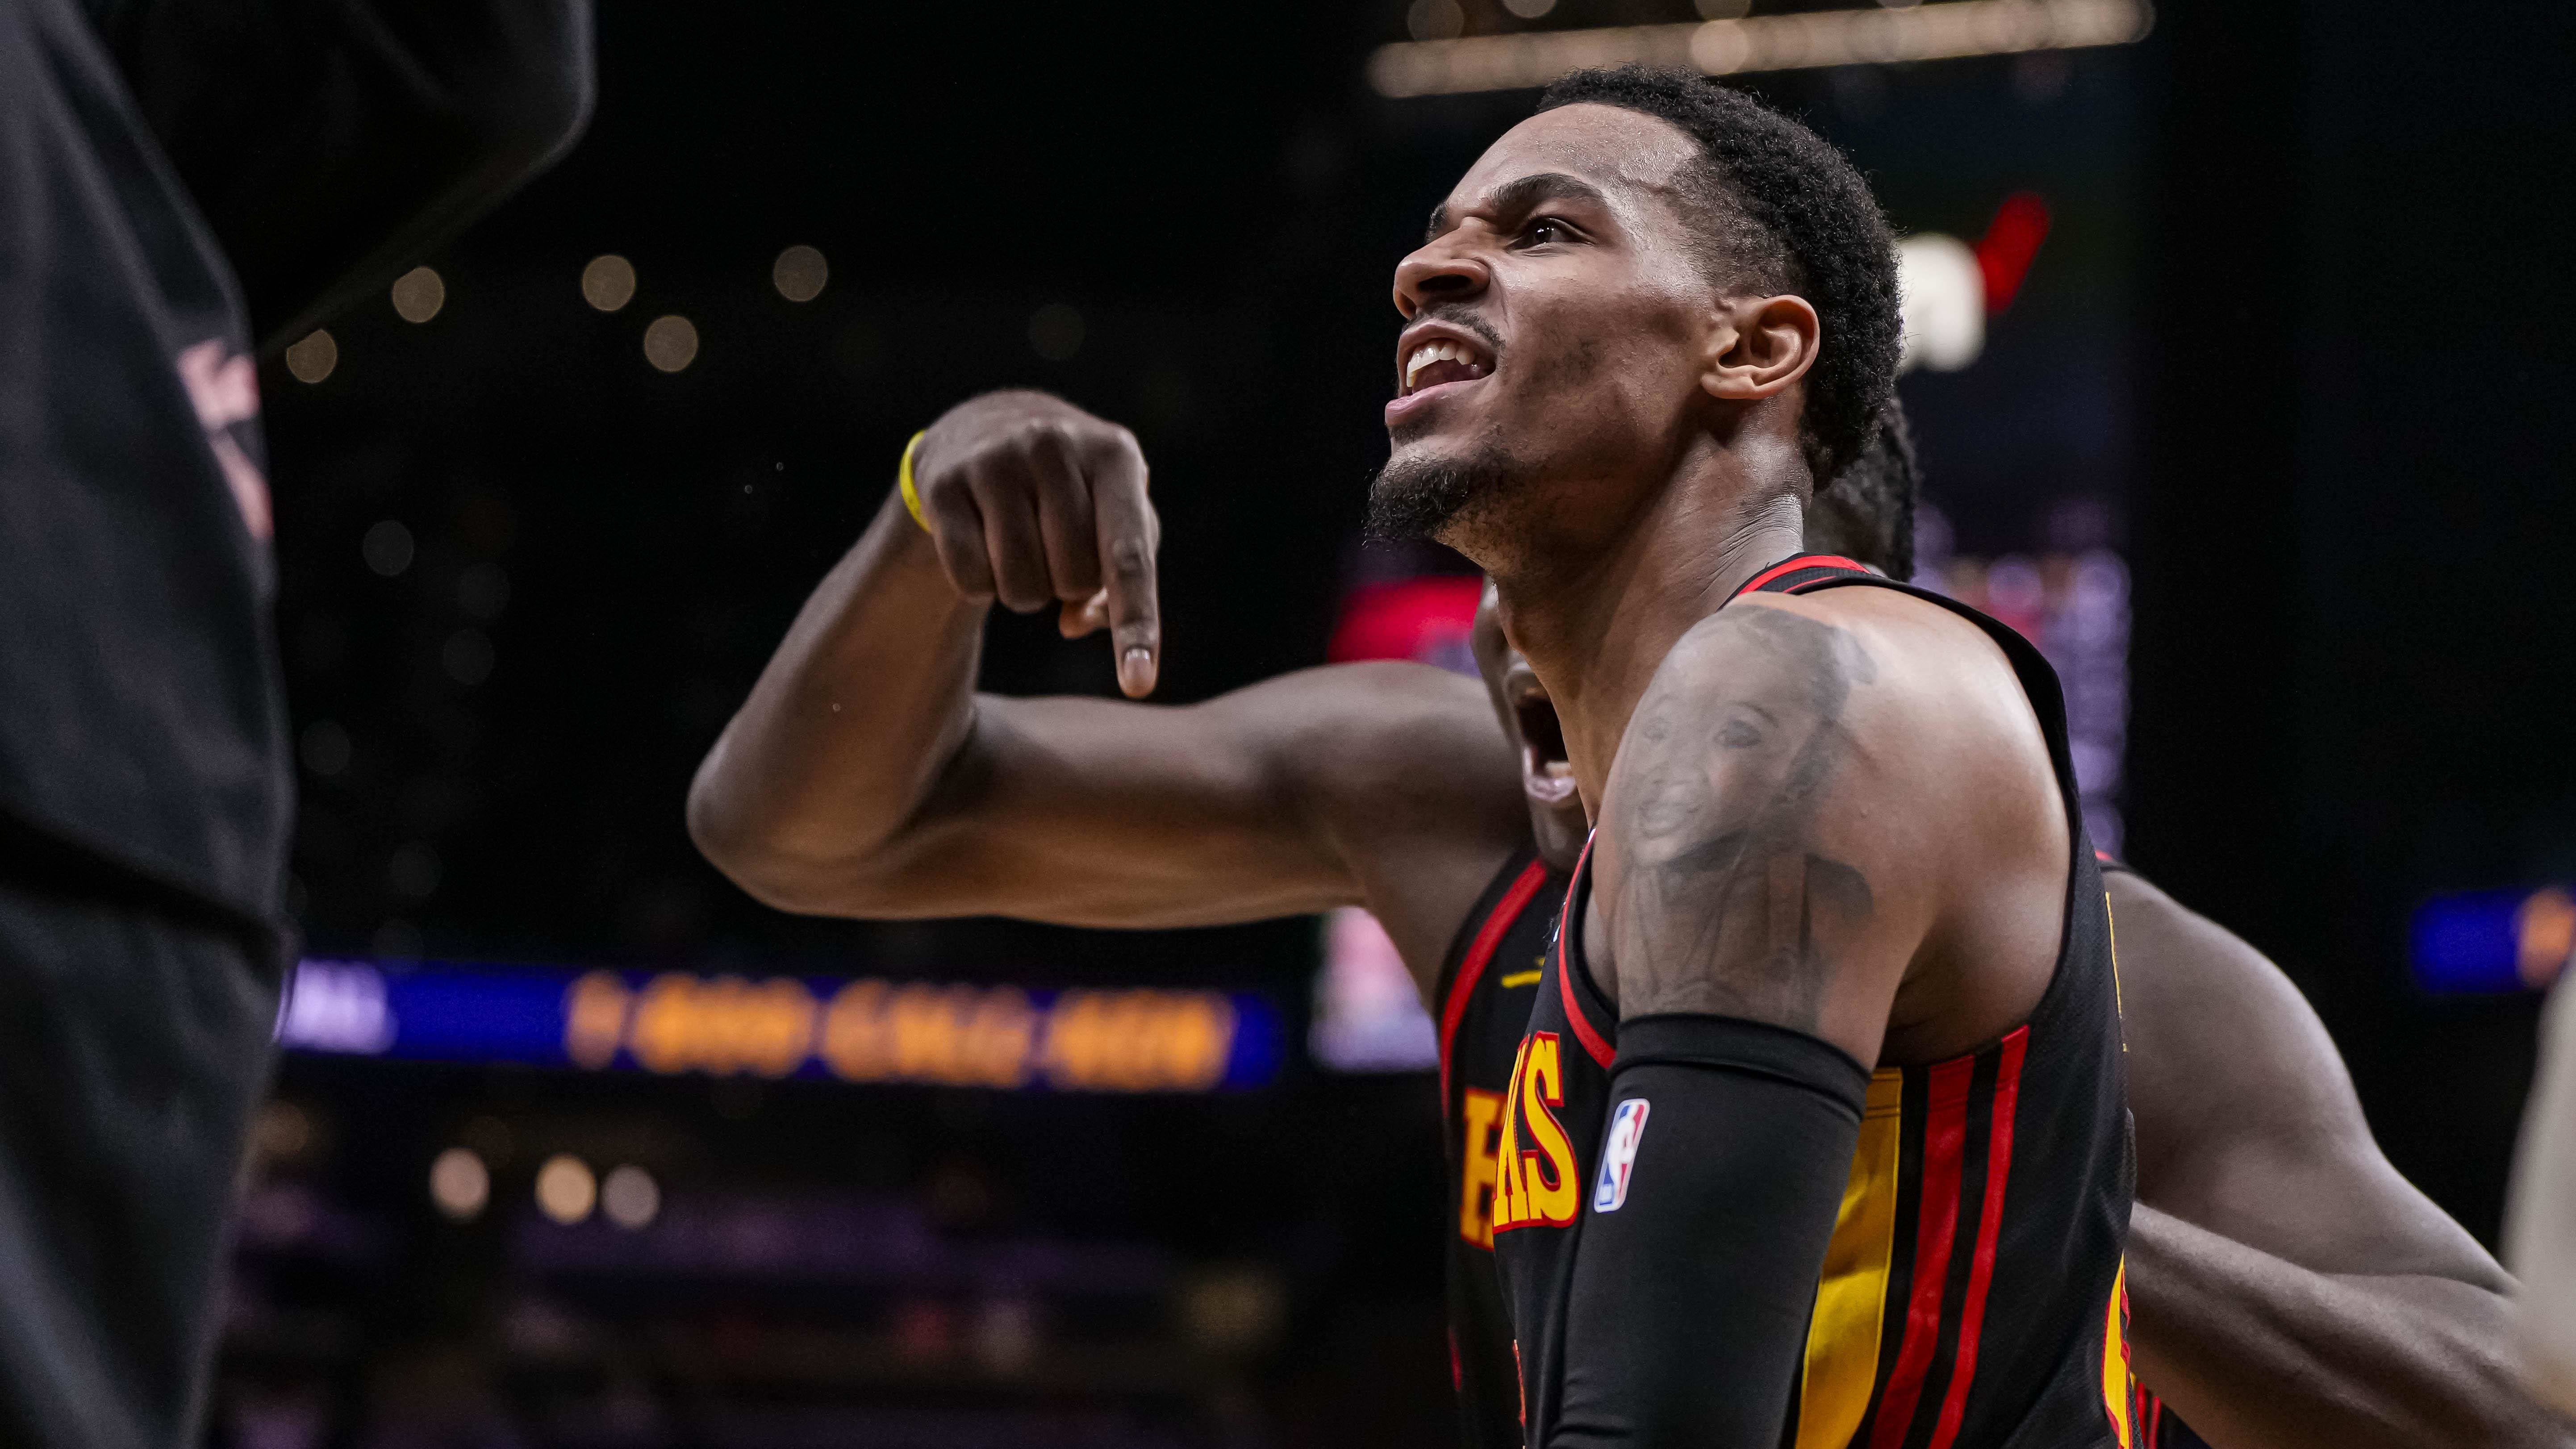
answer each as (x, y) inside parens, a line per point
(2241, 385)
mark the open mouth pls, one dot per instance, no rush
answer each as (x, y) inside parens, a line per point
(1546, 773)
(1440, 360)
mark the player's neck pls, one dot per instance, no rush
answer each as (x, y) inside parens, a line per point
(1597, 633)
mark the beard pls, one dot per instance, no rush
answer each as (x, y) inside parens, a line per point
(1435, 498)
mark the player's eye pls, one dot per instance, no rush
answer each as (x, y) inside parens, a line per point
(1545, 230)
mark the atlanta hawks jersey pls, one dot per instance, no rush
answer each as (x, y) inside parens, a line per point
(1973, 1294)
(1486, 987)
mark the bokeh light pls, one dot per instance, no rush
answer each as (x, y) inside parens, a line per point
(1234, 1311)
(418, 294)
(629, 1197)
(459, 1184)
(312, 359)
(281, 1131)
(799, 274)
(566, 1192)
(608, 283)
(1434, 19)
(671, 343)
(387, 548)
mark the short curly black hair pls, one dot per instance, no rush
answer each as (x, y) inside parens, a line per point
(1788, 212)
(1867, 511)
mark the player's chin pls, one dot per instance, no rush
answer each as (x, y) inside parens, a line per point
(1448, 407)
(1438, 442)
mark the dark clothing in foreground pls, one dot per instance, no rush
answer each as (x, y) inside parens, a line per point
(136, 1050)
(150, 153)
(1486, 986)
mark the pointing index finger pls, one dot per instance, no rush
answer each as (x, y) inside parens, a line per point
(1128, 532)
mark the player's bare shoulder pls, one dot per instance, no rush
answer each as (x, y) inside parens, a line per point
(1798, 799)
(1727, 887)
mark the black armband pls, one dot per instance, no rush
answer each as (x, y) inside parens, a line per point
(1705, 1226)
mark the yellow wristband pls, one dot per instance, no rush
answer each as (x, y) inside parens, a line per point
(903, 480)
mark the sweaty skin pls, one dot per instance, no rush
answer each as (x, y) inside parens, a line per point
(1861, 764)
(2268, 1313)
(866, 777)
(1831, 813)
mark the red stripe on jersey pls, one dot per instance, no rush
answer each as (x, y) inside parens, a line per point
(1981, 1269)
(1945, 1135)
(1600, 1049)
(1481, 953)
(1790, 566)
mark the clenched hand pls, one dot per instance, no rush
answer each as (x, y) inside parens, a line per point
(1032, 501)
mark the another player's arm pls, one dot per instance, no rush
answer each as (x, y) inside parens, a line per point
(2541, 1230)
(1757, 906)
(2288, 1289)
(864, 776)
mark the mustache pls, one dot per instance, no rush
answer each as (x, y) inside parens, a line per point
(1460, 316)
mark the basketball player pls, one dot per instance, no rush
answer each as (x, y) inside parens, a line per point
(1377, 784)
(1836, 971)
(1756, 850)
(2287, 1283)
(2324, 1303)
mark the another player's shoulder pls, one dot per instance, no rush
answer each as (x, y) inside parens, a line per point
(2217, 1032)
(2167, 946)
(2193, 988)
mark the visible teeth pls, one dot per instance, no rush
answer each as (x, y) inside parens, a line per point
(1431, 352)
(1557, 769)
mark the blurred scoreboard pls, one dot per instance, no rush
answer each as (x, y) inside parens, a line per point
(2493, 941)
(863, 1031)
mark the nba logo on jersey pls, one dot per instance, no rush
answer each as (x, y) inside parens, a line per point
(1619, 1155)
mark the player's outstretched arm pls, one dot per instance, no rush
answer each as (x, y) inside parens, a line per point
(1756, 908)
(2288, 1289)
(865, 777)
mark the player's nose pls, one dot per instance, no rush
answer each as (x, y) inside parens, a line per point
(1439, 270)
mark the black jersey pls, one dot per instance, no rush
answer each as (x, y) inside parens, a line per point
(1486, 987)
(1973, 1294)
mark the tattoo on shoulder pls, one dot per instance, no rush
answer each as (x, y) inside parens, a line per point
(1726, 905)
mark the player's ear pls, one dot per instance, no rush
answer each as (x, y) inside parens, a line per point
(1758, 346)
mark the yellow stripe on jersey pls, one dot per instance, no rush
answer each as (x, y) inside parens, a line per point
(1851, 1295)
(2118, 1390)
(2111, 937)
